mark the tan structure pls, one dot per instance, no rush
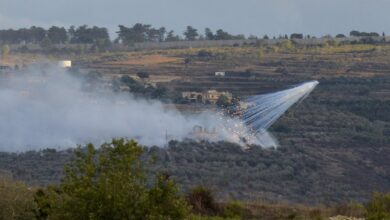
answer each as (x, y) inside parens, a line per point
(210, 96)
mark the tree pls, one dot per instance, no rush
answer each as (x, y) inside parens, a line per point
(137, 33)
(252, 37)
(153, 35)
(191, 33)
(37, 34)
(110, 183)
(87, 35)
(72, 32)
(354, 33)
(296, 36)
(172, 37)
(223, 101)
(340, 36)
(158, 93)
(363, 34)
(209, 34)
(222, 35)
(57, 35)
(140, 33)
(161, 34)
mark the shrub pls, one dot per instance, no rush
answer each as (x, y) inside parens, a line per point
(378, 208)
(352, 209)
(143, 75)
(223, 101)
(234, 209)
(287, 45)
(316, 214)
(202, 201)
(204, 54)
(16, 200)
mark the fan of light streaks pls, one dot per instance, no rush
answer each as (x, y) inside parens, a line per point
(264, 110)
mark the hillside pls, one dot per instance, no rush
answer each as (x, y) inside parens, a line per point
(334, 146)
(301, 174)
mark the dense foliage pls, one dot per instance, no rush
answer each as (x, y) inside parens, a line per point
(110, 183)
(129, 35)
(54, 34)
(379, 207)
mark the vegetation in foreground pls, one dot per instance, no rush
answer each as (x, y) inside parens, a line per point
(110, 184)
(113, 182)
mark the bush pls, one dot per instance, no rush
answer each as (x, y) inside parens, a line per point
(234, 209)
(16, 200)
(378, 208)
(352, 209)
(143, 75)
(316, 214)
(110, 183)
(202, 201)
(287, 46)
(223, 101)
(204, 54)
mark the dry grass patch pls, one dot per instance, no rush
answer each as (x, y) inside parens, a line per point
(146, 60)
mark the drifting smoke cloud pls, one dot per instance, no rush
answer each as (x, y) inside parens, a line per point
(46, 109)
(40, 110)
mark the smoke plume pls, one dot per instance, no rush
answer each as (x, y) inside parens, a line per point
(49, 110)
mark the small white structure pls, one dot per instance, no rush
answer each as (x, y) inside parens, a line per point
(65, 63)
(220, 74)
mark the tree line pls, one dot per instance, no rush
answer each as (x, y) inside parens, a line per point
(90, 35)
(129, 35)
(56, 35)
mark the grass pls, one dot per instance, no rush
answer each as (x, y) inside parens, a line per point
(146, 60)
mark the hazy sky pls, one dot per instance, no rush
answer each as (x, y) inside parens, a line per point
(259, 17)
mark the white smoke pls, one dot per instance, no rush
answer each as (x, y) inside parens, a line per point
(49, 110)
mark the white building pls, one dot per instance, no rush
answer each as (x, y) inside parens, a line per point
(220, 74)
(65, 63)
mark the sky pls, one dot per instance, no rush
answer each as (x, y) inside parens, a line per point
(257, 17)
